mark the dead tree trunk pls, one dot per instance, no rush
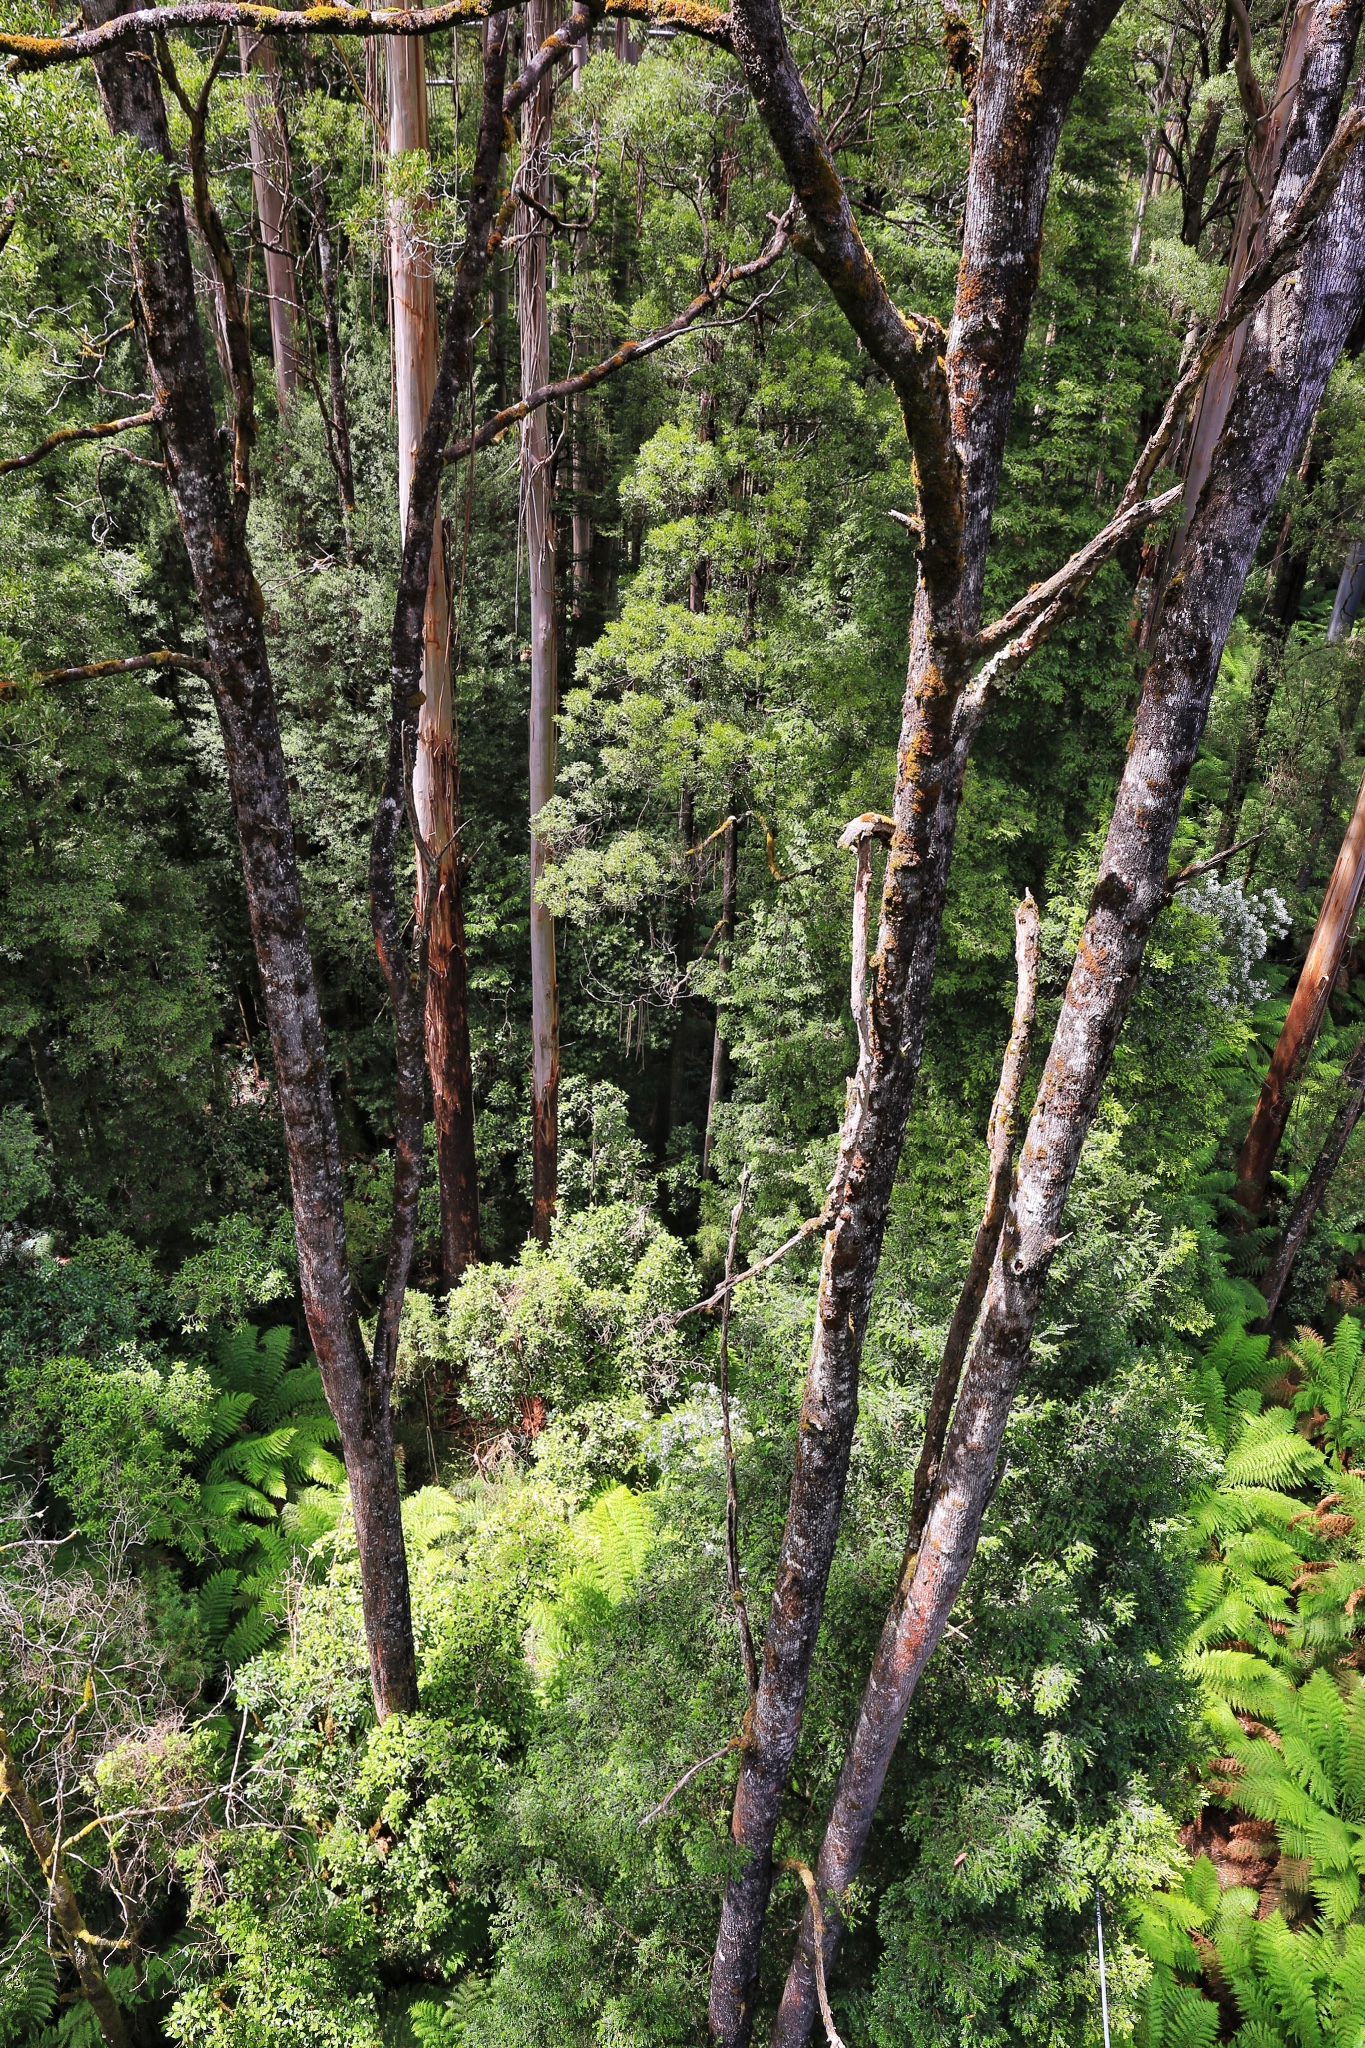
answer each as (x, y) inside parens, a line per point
(957, 393)
(1289, 351)
(436, 769)
(1306, 1012)
(729, 900)
(232, 607)
(537, 499)
(1309, 1199)
(270, 177)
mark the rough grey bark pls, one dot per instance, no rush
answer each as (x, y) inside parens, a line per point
(232, 607)
(1290, 348)
(957, 393)
(270, 177)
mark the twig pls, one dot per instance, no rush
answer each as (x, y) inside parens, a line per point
(807, 1877)
(746, 1635)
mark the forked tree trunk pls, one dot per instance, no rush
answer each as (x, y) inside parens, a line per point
(1307, 1009)
(537, 500)
(436, 769)
(957, 394)
(232, 607)
(1289, 352)
(270, 178)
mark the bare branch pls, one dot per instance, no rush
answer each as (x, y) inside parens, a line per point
(630, 351)
(68, 436)
(162, 657)
(1075, 574)
(1204, 867)
(718, 1295)
(37, 53)
(714, 1758)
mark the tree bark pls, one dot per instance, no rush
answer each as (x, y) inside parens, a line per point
(232, 607)
(1309, 1199)
(1307, 1009)
(436, 769)
(537, 498)
(62, 1901)
(729, 899)
(957, 394)
(1350, 594)
(1290, 349)
(270, 177)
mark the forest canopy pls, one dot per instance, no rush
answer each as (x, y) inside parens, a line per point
(682, 1222)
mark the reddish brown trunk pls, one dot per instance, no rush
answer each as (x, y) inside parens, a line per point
(436, 770)
(1306, 1012)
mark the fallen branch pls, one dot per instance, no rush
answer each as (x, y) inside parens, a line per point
(629, 352)
(163, 657)
(37, 53)
(67, 436)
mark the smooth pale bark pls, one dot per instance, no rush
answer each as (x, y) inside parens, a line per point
(436, 768)
(1307, 1009)
(533, 317)
(270, 178)
(1290, 348)
(1309, 1199)
(232, 607)
(62, 1903)
(957, 394)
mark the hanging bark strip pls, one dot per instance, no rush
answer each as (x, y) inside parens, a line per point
(1306, 1012)
(1289, 353)
(956, 393)
(436, 767)
(270, 176)
(1309, 1199)
(535, 188)
(1000, 1137)
(232, 606)
(62, 1902)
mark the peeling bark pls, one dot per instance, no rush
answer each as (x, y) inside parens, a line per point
(1291, 346)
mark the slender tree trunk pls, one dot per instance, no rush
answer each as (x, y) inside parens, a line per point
(63, 1904)
(957, 394)
(339, 420)
(270, 176)
(1309, 1199)
(436, 770)
(1350, 594)
(537, 499)
(232, 606)
(720, 1056)
(1306, 1012)
(1291, 346)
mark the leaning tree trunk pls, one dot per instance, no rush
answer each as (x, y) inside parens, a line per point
(1306, 1012)
(233, 607)
(1309, 1199)
(436, 769)
(537, 499)
(270, 179)
(1289, 352)
(957, 394)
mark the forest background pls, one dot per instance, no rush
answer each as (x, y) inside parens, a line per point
(215, 1826)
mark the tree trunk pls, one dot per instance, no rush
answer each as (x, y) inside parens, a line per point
(537, 498)
(1290, 349)
(957, 394)
(337, 420)
(1306, 1012)
(1309, 1199)
(1350, 594)
(436, 770)
(62, 1902)
(232, 606)
(270, 177)
(720, 1058)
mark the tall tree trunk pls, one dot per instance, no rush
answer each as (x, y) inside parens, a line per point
(436, 770)
(537, 499)
(232, 606)
(957, 394)
(1290, 349)
(720, 1055)
(1306, 1012)
(1350, 594)
(1309, 1199)
(336, 416)
(270, 177)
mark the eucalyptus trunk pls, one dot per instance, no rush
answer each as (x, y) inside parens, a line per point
(1289, 350)
(270, 180)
